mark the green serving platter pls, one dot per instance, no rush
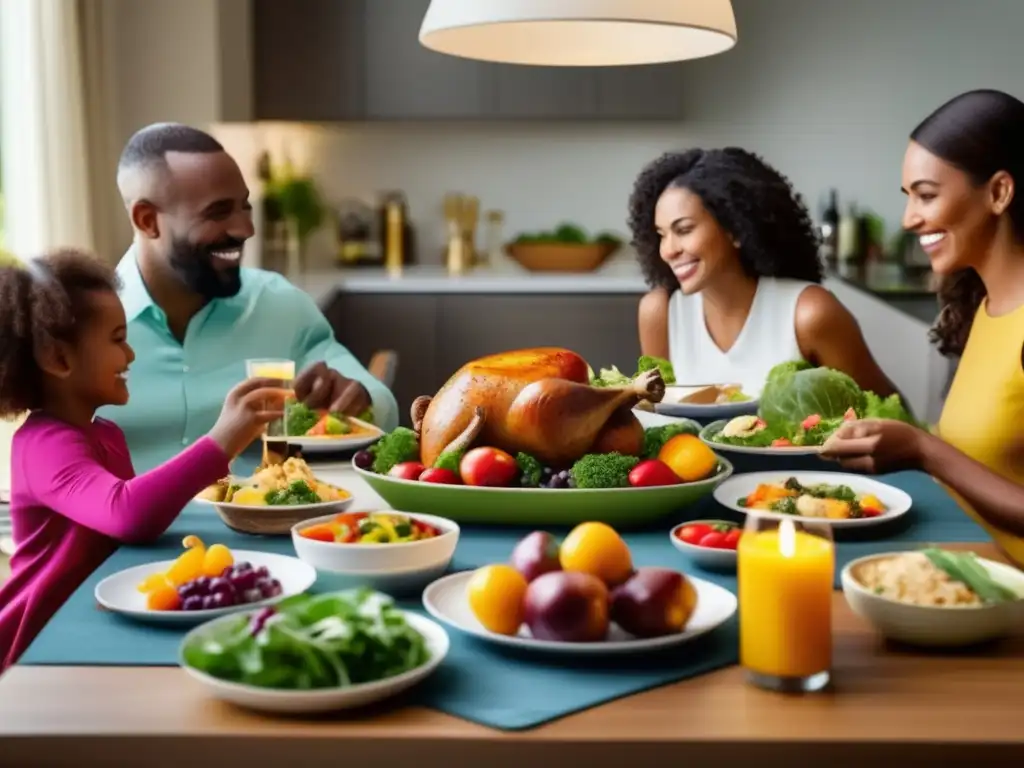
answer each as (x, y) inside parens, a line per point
(620, 507)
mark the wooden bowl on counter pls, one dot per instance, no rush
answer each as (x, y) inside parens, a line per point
(561, 257)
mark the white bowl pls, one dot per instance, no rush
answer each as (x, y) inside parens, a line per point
(326, 699)
(384, 567)
(705, 557)
(936, 626)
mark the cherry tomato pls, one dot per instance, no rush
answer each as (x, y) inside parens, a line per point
(781, 442)
(407, 470)
(692, 534)
(439, 475)
(870, 511)
(323, 532)
(732, 538)
(713, 540)
(652, 472)
(811, 421)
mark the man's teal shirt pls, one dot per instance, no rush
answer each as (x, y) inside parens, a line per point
(177, 389)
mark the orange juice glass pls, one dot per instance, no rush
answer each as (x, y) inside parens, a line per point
(786, 571)
(273, 368)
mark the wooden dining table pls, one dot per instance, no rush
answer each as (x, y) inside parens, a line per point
(887, 703)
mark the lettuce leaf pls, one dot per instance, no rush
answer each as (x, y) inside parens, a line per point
(795, 391)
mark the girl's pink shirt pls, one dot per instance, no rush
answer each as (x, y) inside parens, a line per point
(74, 499)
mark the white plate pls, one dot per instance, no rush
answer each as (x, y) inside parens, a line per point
(119, 592)
(704, 412)
(897, 502)
(650, 419)
(446, 601)
(330, 443)
(328, 699)
(716, 426)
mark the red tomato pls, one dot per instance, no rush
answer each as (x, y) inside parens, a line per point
(488, 467)
(811, 421)
(732, 538)
(713, 540)
(692, 534)
(652, 472)
(407, 470)
(439, 475)
(781, 442)
(322, 532)
(870, 511)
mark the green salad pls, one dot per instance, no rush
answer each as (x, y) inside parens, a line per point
(802, 405)
(310, 642)
(613, 377)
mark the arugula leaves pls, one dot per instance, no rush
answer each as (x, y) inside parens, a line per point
(312, 642)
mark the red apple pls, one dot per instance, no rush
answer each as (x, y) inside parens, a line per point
(407, 470)
(488, 466)
(439, 475)
(535, 555)
(567, 606)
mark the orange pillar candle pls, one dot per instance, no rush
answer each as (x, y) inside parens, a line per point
(786, 572)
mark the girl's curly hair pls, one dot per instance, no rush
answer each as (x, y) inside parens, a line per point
(750, 199)
(980, 133)
(42, 302)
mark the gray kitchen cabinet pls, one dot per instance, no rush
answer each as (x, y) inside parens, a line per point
(307, 60)
(544, 92)
(644, 92)
(406, 80)
(435, 335)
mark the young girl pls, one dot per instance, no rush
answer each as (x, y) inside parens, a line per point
(732, 259)
(74, 495)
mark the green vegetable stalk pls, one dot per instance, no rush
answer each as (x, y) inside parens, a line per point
(394, 448)
(964, 567)
(603, 470)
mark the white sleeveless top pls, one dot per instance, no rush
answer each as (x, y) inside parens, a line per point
(768, 337)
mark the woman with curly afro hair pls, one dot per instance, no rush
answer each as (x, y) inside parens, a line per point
(732, 260)
(960, 175)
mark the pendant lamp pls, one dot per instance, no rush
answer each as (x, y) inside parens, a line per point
(579, 33)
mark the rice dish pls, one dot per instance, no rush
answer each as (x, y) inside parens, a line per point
(912, 578)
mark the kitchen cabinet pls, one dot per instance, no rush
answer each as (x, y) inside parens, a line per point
(435, 335)
(354, 60)
(307, 58)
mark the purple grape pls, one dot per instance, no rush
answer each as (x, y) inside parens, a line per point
(251, 595)
(259, 619)
(220, 586)
(269, 587)
(263, 572)
(244, 581)
(558, 481)
(193, 603)
(243, 566)
(203, 585)
(228, 572)
(187, 590)
(207, 602)
(363, 460)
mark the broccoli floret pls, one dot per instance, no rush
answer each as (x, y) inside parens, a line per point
(647, 362)
(366, 415)
(656, 437)
(394, 448)
(529, 470)
(603, 470)
(300, 417)
(298, 492)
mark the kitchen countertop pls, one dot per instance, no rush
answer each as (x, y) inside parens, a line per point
(908, 292)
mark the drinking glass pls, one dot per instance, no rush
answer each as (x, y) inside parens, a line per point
(786, 571)
(283, 371)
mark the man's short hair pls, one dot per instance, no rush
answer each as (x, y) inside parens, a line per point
(150, 145)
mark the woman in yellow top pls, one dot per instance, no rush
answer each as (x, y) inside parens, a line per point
(960, 174)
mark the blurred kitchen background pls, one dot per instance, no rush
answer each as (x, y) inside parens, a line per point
(389, 179)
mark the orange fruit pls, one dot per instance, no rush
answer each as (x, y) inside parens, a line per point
(163, 598)
(217, 558)
(495, 594)
(189, 564)
(596, 548)
(689, 458)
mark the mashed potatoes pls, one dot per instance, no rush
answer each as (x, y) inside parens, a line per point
(911, 577)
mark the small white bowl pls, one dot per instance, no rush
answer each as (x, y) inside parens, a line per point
(388, 568)
(706, 557)
(933, 626)
(326, 699)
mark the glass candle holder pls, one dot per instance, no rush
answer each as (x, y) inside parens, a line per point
(284, 372)
(786, 571)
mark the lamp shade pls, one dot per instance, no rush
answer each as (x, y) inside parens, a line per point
(579, 33)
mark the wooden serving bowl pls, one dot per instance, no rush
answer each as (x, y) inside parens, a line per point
(272, 520)
(561, 257)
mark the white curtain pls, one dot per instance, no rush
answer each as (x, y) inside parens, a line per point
(44, 144)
